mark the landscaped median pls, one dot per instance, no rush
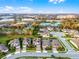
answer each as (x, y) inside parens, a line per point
(62, 48)
(72, 45)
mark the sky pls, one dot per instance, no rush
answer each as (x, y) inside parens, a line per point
(39, 6)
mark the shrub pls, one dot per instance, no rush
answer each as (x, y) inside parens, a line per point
(48, 48)
(60, 48)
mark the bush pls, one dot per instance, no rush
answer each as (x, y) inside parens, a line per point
(48, 48)
(2, 54)
(60, 48)
(30, 46)
(12, 49)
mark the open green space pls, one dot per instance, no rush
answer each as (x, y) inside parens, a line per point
(4, 38)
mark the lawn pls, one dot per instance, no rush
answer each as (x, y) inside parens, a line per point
(4, 38)
(31, 50)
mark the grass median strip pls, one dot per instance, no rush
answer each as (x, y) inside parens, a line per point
(65, 49)
(76, 49)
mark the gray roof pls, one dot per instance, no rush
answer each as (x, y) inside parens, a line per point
(3, 48)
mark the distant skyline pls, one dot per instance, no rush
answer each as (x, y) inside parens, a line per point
(39, 6)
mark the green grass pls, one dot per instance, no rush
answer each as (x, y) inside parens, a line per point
(3, 39)
(49, 51)
(2, 54)
(31, 49)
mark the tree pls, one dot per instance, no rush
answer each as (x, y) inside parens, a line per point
(40, 41)
(35, 30)
(60, 48)
(8, 44)
(21, 41)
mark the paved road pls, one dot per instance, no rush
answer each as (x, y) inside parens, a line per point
(59, 35)
(73, 56)
(70, 53)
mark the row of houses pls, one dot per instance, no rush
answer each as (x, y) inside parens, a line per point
(70, 32)
(26, 41)
(36, 43)
(74, 36)
(18, 20)
(3, 48)
(75, 42)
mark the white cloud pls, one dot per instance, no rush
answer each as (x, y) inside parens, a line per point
(24, 9)
(21, 9)
(56, 1)
(10, 9)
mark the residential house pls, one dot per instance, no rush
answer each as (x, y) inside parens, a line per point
(3, 48)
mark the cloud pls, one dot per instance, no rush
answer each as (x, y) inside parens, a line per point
(56, 1)
(22, 9)
(10, 9)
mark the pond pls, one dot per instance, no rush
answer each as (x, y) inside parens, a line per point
(50, 24)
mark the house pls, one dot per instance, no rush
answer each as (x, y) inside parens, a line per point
(66, 16)
(44, 32)
(27, 19)
(25, 41)
(34, 42)
(38, 42)
(76, 35)
(55, 43)
(46, 43)
(7, 20)
(3, 48)
(15, 43)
